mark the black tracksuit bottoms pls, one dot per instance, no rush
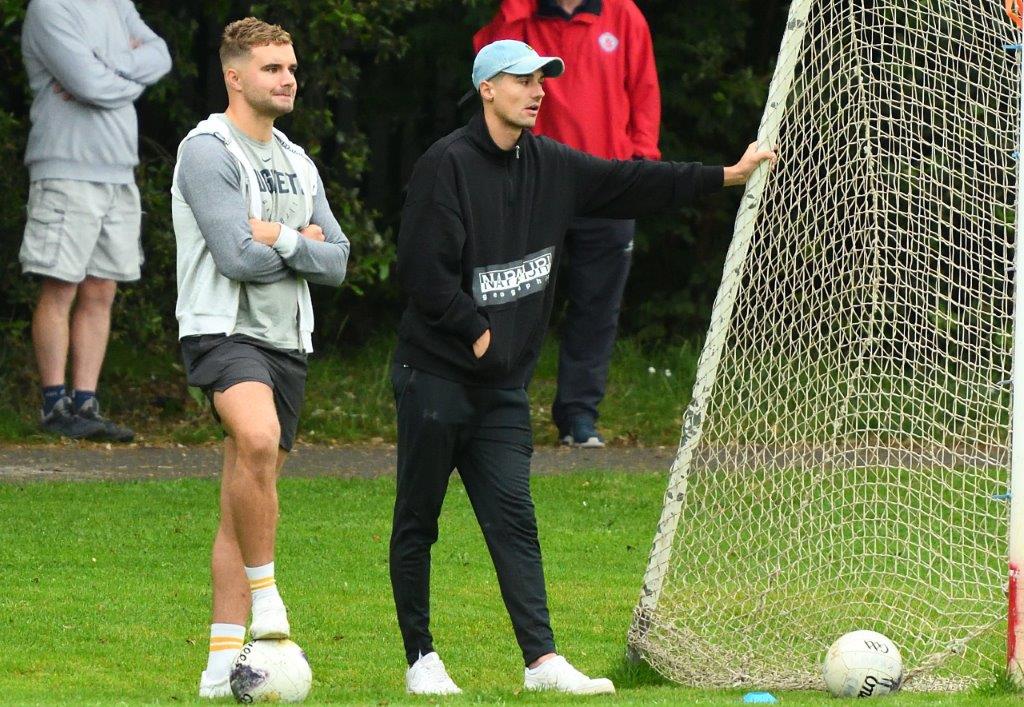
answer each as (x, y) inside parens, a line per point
(485, 433)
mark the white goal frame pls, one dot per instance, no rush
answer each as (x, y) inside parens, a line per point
(721, 320)
(1015, 549)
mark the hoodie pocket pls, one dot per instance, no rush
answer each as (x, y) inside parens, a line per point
(45, 226)
(496, 359)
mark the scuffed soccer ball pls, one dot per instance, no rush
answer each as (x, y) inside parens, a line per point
(271, 670)
(863, 664)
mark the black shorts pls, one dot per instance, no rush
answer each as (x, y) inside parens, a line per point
(215, 362)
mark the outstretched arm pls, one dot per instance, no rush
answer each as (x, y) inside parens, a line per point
(629, 189)
(209, 179)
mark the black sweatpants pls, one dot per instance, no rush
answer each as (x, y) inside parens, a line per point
(485, 433)
(598, 252)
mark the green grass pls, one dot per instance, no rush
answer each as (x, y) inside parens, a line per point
(348, 396)
(790, 557)
(105, 591)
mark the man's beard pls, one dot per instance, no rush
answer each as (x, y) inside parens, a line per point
(518, 122)
(265, 106)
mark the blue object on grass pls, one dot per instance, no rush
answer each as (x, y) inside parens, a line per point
(763, 698)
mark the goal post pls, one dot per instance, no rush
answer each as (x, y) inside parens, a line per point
(844, 459)
(1015, 583)
(721, 314)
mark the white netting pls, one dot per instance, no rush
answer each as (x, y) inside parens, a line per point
(843, 463)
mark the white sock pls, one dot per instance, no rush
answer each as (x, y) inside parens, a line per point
(225, 644)
(262, 584)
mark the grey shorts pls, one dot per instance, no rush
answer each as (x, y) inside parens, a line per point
(215, 362)
(76, 229)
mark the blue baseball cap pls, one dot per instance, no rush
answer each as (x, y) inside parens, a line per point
(512, 57)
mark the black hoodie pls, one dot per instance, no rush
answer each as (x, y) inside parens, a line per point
(481, 239)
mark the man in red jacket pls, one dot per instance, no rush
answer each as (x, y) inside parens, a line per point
(606, 104)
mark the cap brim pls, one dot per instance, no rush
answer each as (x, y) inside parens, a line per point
(552, 66)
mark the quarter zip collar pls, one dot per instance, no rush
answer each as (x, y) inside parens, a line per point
(481, 137)
(550, 8)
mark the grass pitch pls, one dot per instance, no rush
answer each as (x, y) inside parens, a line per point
(105, 592)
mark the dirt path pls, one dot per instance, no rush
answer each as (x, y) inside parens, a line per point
(80, 462)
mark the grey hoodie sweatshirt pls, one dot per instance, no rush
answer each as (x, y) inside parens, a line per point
(85, 46)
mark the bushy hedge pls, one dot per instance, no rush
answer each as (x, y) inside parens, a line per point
(379, 82)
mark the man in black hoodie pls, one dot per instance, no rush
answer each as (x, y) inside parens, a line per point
(480, 241)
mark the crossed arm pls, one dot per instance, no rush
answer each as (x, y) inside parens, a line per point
(319, 252)
(147, 59)
(80, 73)
(247, 250)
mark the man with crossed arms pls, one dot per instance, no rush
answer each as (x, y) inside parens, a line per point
(252, 226)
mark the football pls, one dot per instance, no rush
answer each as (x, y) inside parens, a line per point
(863, 664)
(271, 670)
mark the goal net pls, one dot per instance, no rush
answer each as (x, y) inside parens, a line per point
(844, 459)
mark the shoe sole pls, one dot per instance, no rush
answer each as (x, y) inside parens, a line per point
(592, 443)
(68, 435)
(104, 437)
(435, 694)
(100, 435)
(214, 694)
(595, 690)
(271, 634)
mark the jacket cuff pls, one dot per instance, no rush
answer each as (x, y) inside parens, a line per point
(712, 179)
(287, 242)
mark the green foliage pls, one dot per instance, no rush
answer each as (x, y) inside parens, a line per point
(348, 394)
(379, 82)
(14, 291)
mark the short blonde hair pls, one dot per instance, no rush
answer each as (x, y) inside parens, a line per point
(242, 35)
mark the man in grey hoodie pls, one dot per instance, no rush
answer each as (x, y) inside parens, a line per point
(87, 62)
(252, 226)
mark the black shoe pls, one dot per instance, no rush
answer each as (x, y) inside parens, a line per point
(63, 421)
(110, 431)
(582, 432)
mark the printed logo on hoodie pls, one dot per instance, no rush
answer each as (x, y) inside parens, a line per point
(508, 282)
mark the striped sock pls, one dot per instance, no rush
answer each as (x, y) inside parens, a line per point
(225, 644)
(51, 395)
(82, 397)
(262, 584)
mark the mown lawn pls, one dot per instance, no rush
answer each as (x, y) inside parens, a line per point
(105, 591)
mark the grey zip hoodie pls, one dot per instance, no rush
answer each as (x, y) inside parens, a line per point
(85, 46)
(216, 251)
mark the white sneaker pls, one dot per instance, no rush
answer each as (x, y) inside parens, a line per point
(427, 676)
(557, 674)
(269, 620)
(212, 690)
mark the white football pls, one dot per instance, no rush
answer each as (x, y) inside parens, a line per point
(863, 664)
(271, 670)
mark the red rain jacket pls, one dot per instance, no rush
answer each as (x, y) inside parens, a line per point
(607, 102)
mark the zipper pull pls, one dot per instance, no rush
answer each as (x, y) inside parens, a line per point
(517, 152)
